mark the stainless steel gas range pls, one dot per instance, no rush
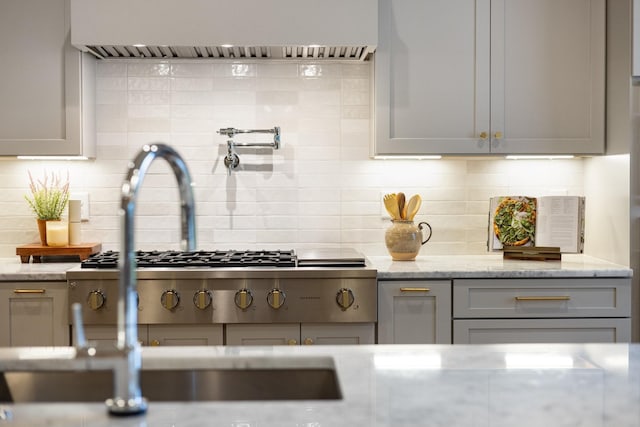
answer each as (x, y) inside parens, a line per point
(227, 288)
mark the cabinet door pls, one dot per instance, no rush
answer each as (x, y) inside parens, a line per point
(45, 107)
(432, 77)
(105, 336)
(547, 76)
(506, 331)
(263, 334)
(337, 333)
(414, 312)
(185, 335)
(34, 314)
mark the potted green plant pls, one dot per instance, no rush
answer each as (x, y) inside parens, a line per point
(48, 199)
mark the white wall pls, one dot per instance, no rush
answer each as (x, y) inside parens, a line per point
(607, 224)
(320, 188)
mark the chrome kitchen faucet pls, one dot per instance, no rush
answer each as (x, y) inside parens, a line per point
(128, 396)
(127, 360)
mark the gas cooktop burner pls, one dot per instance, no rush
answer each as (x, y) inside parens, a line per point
(230, 258)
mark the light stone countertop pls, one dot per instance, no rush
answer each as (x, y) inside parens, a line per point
(493, 266)
(526, 385)
(424, 267)
(11, 269)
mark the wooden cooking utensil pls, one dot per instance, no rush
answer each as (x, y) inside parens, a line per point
(413, 206)
(391, 204)
(401, 205)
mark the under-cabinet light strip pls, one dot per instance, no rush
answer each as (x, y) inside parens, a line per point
(538, 157)
(52, 158)
(407, 157)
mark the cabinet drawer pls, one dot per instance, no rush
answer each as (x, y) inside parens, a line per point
(539, 298)
(512, 331)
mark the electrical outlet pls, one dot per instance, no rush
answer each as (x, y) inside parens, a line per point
(84, 204)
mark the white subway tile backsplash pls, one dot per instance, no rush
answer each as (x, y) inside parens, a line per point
(149, 124)
(235, 84)
(148, 111)
(233, 97)
(363, 70)
(315, 70)
(112, 69)
(192, 69)
(277, 97)
(106, 84)
(191, 84)
(321, 189)
(319, 236)
(111, 118)
(277, 69)
(148, 97)
(192, 98)
(235, 69)
(320, 97)
(148, 69)
(356, 112)
(148, 83)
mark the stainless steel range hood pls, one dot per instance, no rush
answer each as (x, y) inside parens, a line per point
(226, 29)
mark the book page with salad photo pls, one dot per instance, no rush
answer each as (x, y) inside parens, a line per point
(547, 221)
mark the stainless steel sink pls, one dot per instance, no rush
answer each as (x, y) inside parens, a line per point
(174, 385)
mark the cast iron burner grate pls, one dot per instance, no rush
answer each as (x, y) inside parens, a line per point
(231, 258)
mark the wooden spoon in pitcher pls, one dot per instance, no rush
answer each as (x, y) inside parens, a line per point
(391, 203)
(401, 205)
(413, 206)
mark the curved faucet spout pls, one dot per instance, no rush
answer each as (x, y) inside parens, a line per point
(128, 396)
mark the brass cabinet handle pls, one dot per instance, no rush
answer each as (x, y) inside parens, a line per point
(415, 290)
(292, 341)
(308, 341)
(483, 135)
(544, 298)
(155, 343)
(28, 291)
(497, 135)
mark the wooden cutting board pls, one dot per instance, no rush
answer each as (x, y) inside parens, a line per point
(36, 250)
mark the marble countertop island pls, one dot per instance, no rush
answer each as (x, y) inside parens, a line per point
(483, 385)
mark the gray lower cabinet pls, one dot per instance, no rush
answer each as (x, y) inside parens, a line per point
(106, 335)
(414, 312)
(164, 335)
(499, 331)
(159, 335)
(34, 314)
(569, 310)
(296, 334)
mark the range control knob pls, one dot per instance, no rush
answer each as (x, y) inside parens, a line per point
(275, 298)
(243, 298)
(170, 299)
(202, 299)
(96, 299)
(345, 298)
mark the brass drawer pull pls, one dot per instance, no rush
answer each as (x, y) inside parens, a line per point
(544, 298)
(415, 290)
(28, 291)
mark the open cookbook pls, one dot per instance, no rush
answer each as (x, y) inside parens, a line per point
(548, 221)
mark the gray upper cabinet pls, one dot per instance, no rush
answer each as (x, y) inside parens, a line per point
(47, 86)
(476, 77)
